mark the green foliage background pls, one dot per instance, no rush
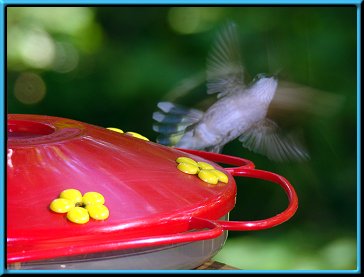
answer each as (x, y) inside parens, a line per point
(109, 66)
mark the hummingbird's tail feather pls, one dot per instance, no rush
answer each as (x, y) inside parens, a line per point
(266, 138)
(169, 140)
(169, 128)
(189, 115)
(171, 121)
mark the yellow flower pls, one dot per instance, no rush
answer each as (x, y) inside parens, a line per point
(205, 171)
(136, 135)
(115, 130)
(133, 134)
(80, 208)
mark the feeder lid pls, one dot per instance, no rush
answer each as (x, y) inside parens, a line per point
(149, 200)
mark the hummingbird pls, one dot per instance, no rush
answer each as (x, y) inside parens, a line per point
(239, 112)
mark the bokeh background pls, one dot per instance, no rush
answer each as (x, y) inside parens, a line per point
(109, 66)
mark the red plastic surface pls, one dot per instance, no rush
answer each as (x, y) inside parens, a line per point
(245, 168)
(150, 201)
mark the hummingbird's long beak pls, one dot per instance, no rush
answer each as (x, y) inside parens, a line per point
(277, 72)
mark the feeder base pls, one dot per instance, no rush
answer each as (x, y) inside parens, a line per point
(214, 265)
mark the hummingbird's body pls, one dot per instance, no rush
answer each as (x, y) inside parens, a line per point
(230, 116)
(240, 110)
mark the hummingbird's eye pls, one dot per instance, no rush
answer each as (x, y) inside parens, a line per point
(261, 76)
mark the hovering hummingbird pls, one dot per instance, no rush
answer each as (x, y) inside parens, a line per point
(240, 110)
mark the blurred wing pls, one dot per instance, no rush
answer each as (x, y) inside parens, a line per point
(291, 97)
(185, 86)
(225, 73)
(266, 138)
(172, 121)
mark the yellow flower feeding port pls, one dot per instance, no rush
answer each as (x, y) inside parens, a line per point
(80, 208)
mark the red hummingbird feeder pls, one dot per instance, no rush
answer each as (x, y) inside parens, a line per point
(152, 215)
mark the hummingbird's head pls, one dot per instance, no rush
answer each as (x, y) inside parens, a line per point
(264, 87)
